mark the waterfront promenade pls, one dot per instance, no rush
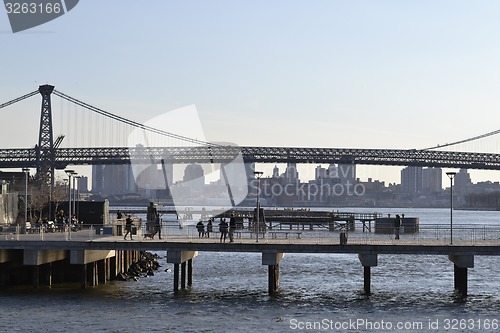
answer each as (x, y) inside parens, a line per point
(89, 246)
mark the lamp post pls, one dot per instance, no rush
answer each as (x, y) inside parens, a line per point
(75, 177)
(77, 205)
(451, 175)
(258, 174)
(26, 173)
(69, 173)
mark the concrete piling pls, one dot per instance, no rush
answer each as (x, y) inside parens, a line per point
(185, 260)
(367, 260)
(272, 260)
(460, 265)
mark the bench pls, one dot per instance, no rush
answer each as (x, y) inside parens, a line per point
(275, 234)
(240, 233)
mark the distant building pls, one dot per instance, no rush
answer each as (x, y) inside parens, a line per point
(113, 179)
(411, 180)
(432, 179)
(320, 173)
(462, 182)
(195, 175)
(276, 172)
(83, 184)
(291, 174)
(347, 173)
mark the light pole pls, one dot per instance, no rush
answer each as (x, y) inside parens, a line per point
(75, 177)
(26, 173)
(258, 174)
(77, 209)
(69, 173)
(451, 175)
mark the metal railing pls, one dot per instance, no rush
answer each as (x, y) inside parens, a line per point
(469, 235)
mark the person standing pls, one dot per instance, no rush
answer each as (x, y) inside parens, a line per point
(128, 227)
(232, 228)
(151, 215)
(397, 226)
(223, 229)
(201, 229)
(158, 225)
(209, 227)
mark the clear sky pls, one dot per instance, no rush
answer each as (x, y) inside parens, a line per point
(361, 74)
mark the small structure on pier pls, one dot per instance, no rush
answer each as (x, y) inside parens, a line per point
(385, 225)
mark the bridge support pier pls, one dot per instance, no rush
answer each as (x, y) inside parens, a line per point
(184, 259)
(272, 260)
(461, 264)
(367, 260)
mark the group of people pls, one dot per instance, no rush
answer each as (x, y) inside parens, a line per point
(63, 221)
(224, 229)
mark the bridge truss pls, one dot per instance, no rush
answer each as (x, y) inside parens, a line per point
(16, 158)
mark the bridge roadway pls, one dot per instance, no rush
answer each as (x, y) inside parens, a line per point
(27, 157)
(181, 250)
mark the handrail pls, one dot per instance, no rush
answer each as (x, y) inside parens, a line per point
(463, 234)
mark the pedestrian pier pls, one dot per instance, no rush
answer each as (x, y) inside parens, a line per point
(95, 257)
(305, 218)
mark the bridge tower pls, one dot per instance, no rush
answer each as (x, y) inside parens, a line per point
(45, 157)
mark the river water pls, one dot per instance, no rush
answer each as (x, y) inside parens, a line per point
(318, 292)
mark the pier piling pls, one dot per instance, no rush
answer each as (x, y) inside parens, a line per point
(176, 278)
(181, 258)
(367, 260)
(183, 275)
(461, 264)
(190, 272)
(272, 260)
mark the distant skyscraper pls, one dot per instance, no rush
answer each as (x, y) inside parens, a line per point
(195, 175)
(432, 179)
(462, 180)
(347, 173)
(97, 178)
(320, 173)
(113, 179)
(276, 172)
(291, 173)
(411, 179)
(83, 184)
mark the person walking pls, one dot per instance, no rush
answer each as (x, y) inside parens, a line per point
(223, 230)
(232, 228)
(128, 227)
(397, 226)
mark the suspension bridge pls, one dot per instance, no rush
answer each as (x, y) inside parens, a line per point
(99, 258)
(47, 155)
